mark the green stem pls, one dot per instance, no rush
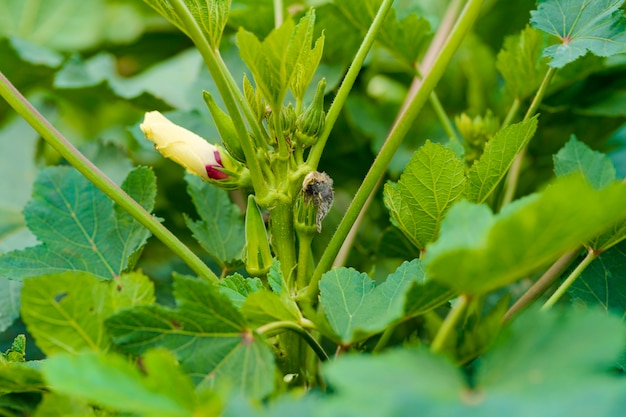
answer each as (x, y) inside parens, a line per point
(511, 114)
(591, 256)
(384, 338)
(212, 62)
(99, 179)
(304, 254)
(283, 238)
(514, 173)
(541, 284)
(443, 118)
(277, 327)
(449, 324)
(278, 13)
(346, 85)
(395, 137)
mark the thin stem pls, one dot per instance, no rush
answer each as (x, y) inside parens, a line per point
(277, 327)
(591, 256)
(445, 121)
(99, 179)
(541, 284)
(395, 137)
(384, 339)
(511, 114)
(211, 60)
(516, 168)
(346, 85)
(278, 13)
(449, 324)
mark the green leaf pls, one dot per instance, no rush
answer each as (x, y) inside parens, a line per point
(561, 368)
(599, 170)
(65, 312)
(206, 332)
(596, 26)
(576, 157)
(113, 382)
(220, 229)
(9, 302)
(356, 308)
(264, 307)
(237, 288)
(432, 181)
(498, 156)
(54, 405)
(25, 63)
(305, 68)
(601, 284)
(521, 64)
(273, 61)
(79, 227)
(478, 252)
(211, 16)
(20, 377)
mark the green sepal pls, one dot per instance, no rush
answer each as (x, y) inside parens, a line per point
(225, 127)
(310, 123)
(257, 255)
(305, 214)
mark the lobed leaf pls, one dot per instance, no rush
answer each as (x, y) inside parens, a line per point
(79, 228)
(520, 63)
(65, 312)
(478, 251)
(432, 181)
(356, 307)
(206, 332)
(596, 26)
(237, 288)
(220, 230)
(498, 156)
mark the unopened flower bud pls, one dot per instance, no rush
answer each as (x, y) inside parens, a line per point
(288, 120)
(257, 255)
(225, 127)
(199, 157)
(311, 122)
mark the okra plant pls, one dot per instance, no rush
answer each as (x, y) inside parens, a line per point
(324, 208)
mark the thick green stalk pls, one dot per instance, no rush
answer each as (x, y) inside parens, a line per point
(394, 139)
(514, 173)
(283, 238)
(99, 179)
(278, 13)
(573, 276)
(449, 324)
(277, 327)
(346, 85)
(211, 60)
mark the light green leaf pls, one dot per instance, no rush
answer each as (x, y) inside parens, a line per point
(478, 252)
(432, 181)
(237, 288)
(521, 64)
(220, 229)
(10, 291)
(54, 405)
(20, 377)
(113, 382)
(597, 26)
(264, 307)
(498, 156)
(65, 312)
(305, 68)
(206, 332)
(79, 227)
(211, 16)
(356, 308)
(273, 61)
(561, 368)
(599, 170)
(576, 157)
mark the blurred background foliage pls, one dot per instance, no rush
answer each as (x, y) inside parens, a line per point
(94, 67)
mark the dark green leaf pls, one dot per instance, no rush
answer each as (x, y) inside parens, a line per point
(356, 308)
(597, 26)
(478, 252)
(207, 334)
(9, 302)
(112, 381)
(220, 230)
(20, 377)
(497, 158)
(432, 181)
(521, 64)
(79, 227)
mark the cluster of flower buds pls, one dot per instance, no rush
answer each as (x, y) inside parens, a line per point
(210, 162)
(310, 123)
(476, 133)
